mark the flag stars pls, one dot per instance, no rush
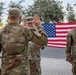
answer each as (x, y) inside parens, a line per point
(50, 30)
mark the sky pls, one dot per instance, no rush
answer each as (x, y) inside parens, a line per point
(29, 2)
(26, 3)
(72, 2)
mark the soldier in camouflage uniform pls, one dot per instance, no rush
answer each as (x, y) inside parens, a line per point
(71, 49)
(14, 39)
(34, 49)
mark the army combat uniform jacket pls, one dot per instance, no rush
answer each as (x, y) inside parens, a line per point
(34, 49)
(71, 45)
(34, 53)
(14, 40)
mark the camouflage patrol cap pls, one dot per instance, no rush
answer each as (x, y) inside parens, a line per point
(29, 19)
(14, 12)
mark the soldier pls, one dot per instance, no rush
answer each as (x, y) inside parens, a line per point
(14, 39)
(71, 49)
(34, 49)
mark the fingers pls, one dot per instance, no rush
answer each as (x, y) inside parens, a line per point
(71, 62)
(36, 18)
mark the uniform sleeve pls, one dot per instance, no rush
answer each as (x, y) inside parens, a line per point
(44, 35)
(41, 30)
(28, 34)
(68, 46)
(40, 37)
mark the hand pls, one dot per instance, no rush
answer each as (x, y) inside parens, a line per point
(37, 20)
(70, 61)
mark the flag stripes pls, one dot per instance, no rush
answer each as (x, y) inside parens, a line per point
(57, 33)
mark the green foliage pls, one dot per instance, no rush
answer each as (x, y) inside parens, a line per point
(48, 10)
(18, 5)
(70, 13)
(1, 9)
(71, 17)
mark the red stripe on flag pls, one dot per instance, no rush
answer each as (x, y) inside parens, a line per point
(61, 32)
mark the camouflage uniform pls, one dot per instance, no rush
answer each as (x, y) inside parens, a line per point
(14, 40)
(34, 51)
(71, 49)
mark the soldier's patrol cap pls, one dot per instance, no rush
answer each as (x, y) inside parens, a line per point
(29, 19)
(14, 12)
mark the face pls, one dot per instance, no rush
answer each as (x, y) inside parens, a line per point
(30, 24)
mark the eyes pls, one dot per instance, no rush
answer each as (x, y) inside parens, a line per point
(30, 23)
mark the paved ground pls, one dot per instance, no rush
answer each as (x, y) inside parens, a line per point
(51, 66)
(53, 62)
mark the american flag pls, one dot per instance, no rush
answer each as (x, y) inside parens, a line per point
(57, 33)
